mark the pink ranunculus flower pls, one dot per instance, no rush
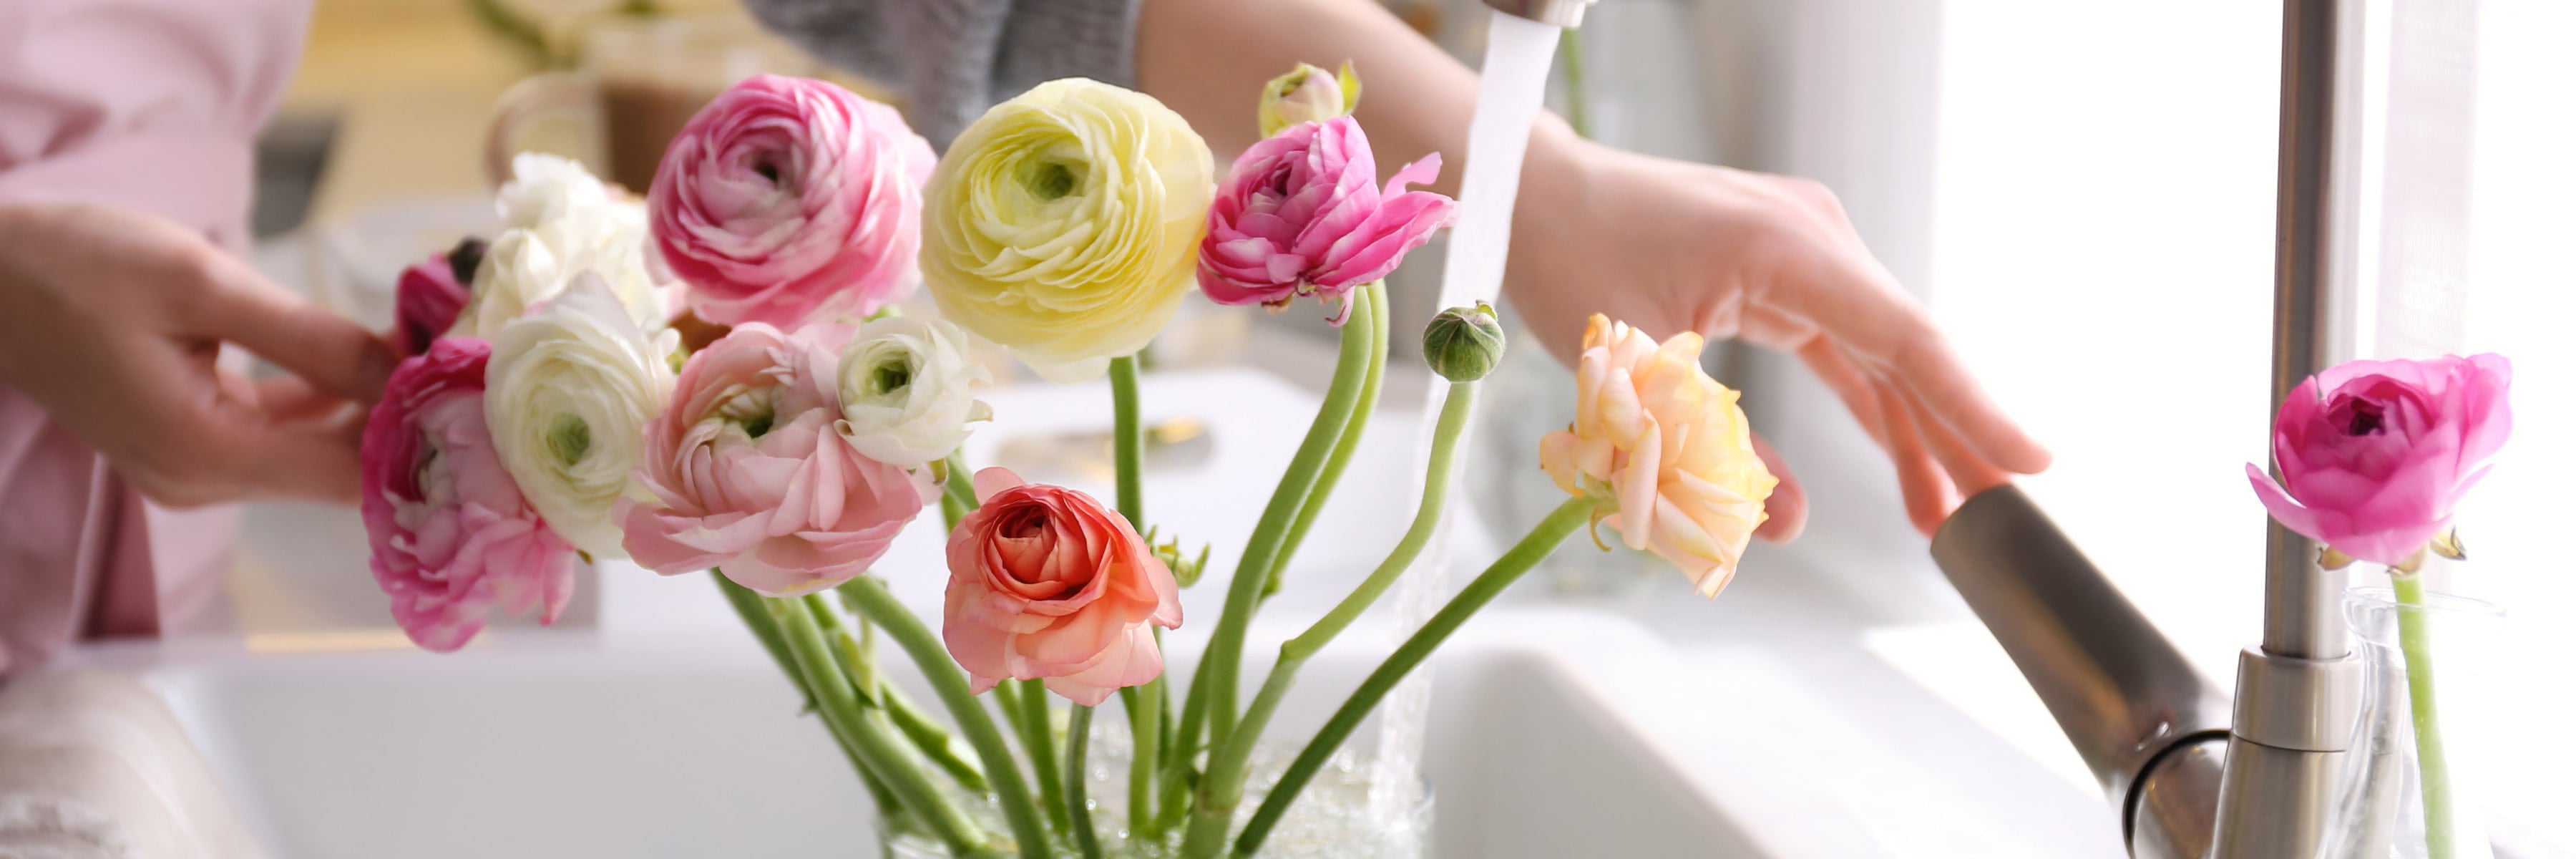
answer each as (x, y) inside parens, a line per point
(426, 301)
(788, 199)
(1301, 213)
(1043, 582)
(747, 474)
(450, 535)
(2374, 454)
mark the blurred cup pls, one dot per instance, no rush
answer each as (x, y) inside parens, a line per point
(639, 81)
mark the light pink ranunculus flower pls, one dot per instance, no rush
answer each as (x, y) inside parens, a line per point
(450, 535)
(747, 474)
(1043, 582)
(2374, 454)
(787, 199)
(1301, 213)
(426, 301)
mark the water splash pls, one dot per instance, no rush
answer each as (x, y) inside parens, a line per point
(1517, 54)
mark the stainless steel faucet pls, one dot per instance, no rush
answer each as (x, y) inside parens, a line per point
(2257, 783)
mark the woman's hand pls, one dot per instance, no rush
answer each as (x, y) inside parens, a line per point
(111, 320)
(1670, 246)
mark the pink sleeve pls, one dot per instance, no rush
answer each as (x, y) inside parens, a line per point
(151, 105)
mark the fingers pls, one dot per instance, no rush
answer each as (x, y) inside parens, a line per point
(304, 462)
(1848, 383)
(292, 398)
(1928, 496)
(1787, 506)
(335, 354)
(1853, 301)
(1969, 473)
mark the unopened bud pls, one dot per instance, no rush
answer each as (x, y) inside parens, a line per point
(1307, 94)
(1464, 343)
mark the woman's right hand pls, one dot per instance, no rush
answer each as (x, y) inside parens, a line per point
(112, 319)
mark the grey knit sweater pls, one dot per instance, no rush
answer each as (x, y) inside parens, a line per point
(954, 58)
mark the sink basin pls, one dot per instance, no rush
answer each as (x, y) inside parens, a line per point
(584, 743)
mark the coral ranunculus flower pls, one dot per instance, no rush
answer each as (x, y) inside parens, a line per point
(2374, 454)
(1301, 213)
(1043, 582)
(787, 199)
(1652, 431)
(1063, 224)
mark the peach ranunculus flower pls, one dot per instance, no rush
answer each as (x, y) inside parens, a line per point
(1045, 583)
(1669, 444)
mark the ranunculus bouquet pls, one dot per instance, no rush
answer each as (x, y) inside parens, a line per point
(552, 411)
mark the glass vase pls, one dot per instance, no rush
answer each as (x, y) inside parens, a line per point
(1334, 818)
(2430, 704)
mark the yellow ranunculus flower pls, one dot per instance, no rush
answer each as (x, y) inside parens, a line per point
(1065, 224)
(1652, 431)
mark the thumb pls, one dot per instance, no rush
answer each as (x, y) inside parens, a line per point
(335, 354)
(1787, 506)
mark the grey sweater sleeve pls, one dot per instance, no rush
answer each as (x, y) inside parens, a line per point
(952, 59)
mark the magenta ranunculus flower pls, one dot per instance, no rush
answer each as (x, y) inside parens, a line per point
(1301, 213)
(747, 473)
(787, 199)
(450, 535)
(2374, 454)
(426, 301)
(1044, 583)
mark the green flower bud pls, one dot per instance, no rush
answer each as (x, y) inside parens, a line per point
(1464, 343)
(1185, 569)
(1307, 94)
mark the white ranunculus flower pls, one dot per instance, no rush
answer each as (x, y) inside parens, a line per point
(907, 390)
(567, 393)
(527, 266)
(545, 187)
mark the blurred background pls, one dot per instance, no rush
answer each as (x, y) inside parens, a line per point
(2083, 192)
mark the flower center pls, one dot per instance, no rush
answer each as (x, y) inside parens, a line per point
(889, 376)
(766, 170)
(1049, 180)
(2365, 418)
(568, 438)
(755, 411)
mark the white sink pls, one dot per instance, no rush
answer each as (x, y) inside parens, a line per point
(548, 744)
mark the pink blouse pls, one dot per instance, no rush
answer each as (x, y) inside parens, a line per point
(152, 105)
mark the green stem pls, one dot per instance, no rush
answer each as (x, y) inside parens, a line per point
(957, 493)
(1578, 101)
(1037, 734)
(2414, 638)
(1532, 549)
(1181, 753)
(1144, 722)
(1077, 782)
(765, 629)
(1222, 790)
(872, 599)
(842, 709)
(1243, 594)
(1348, 444)
(1130, 440)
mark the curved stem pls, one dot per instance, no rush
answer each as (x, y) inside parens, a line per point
(765, 629)
(2414, 639)
(1144, 722)
(957, 493)
(1243, 594)
(839, 703)
(1231, 764)
(1037, 734)
(1350, 441)
(1533, 548)
(1181, 753)
(1077, 782)
(872, 598)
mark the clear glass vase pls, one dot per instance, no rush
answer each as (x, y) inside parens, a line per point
(1334, 818)
(2380, 809)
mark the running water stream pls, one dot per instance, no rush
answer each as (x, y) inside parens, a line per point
(1517, 54)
